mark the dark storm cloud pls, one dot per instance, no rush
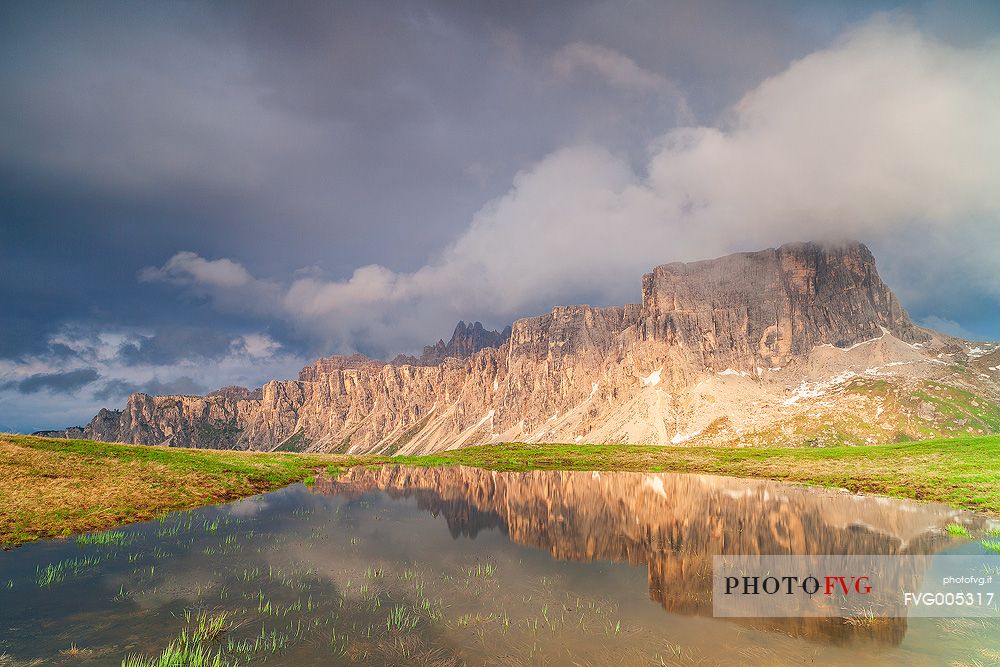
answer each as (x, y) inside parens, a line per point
(114, 390)
(291, 135)
(341, 136)
(171, 345)
(306, 134)
(63, 383)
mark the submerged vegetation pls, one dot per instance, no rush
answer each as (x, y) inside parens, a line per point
(304, 577)
(53, 487)
(107, 537)
(991, 545)
(275, 580)
(185, 651)
(250, 603)
(957, 529)
(55, 573)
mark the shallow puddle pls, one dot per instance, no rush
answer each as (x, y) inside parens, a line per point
(451, 566)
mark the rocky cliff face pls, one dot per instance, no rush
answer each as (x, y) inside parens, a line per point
(766, 308)
(755, 347)
(465, 342)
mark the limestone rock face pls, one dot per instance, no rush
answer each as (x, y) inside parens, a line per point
(322, 367)
(465, 341)
(766, 308)
(234, 393)
(770, 347)
(181, 421)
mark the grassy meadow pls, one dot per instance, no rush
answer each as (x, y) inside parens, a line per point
(52, 487)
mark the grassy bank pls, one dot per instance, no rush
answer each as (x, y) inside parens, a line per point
(963, 472)
(51, 487)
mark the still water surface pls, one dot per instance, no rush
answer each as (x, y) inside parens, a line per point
(455, 566)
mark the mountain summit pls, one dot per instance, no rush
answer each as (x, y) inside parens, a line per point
(465, 341)
(802, 344)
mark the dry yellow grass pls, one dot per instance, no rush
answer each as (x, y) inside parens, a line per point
(51, 488)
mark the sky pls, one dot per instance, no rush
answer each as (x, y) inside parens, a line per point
(195, 195)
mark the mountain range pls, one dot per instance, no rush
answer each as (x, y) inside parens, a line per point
(798, 345)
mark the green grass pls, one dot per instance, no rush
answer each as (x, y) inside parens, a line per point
(55, 573)
(205, 627)
(53, 487)
(185, 651)
(991, 545)
(483, 570)
(962, 472)
(107, 538)
(957, 529)
(401, 619)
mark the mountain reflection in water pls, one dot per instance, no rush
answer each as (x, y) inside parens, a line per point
(534, 568)
(672, 523)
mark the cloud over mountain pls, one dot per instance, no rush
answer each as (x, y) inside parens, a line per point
(886, 131)
(206, 194)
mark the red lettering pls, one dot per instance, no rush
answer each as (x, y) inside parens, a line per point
(861, 585)
(831, 585)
